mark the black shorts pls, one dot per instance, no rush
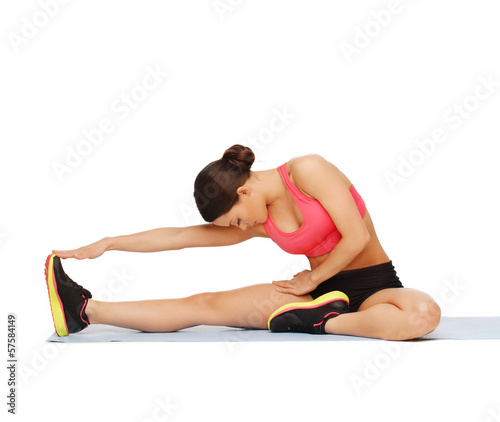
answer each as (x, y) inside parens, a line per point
(361, 283)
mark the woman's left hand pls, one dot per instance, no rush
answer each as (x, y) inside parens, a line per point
(299, 285)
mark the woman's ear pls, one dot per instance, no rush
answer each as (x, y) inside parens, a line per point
(243, 190)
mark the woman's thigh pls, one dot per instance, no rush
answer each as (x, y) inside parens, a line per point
(406, 299)
(420, 310)
(247, 307)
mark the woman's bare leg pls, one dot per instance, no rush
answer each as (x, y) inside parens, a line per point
(247, 307)
(390, 314)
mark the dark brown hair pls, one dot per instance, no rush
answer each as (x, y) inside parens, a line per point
(216, 185)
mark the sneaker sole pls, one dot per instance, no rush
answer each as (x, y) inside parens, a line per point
(55, 301)
(316, 303)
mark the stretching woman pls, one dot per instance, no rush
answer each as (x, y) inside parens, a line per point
(306, 206)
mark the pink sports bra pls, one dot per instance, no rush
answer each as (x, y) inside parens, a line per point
(318, 234)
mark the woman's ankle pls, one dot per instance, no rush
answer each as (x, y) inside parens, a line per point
(91, 311)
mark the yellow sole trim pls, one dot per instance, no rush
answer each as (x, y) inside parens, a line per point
(55, 304)
(327, 297)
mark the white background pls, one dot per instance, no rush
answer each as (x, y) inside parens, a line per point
(225, 71)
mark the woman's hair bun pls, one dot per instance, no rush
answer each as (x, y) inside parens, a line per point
(240, 156)
(216, 186)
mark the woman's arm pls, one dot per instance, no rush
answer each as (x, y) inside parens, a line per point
(163, 239)
(323, 181)
(339, 258)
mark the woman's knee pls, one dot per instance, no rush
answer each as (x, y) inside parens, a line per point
(424, 317)
(246, 307)
(221, 308)
(204, 301)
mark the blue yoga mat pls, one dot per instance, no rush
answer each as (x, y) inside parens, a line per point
(450, 328)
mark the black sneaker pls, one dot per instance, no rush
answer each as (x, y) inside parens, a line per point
(68, 299)
(309, 317)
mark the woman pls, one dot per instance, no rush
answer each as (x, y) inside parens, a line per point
(307, 206)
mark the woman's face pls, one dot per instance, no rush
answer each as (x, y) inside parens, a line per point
(250, 210)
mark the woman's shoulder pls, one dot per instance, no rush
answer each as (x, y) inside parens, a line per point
(301, 166)
(305, 162)
(298, 167)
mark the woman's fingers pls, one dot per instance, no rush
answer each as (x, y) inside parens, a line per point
(283, 286)
(75, 253)
(91, 251)
(63, 254)
(299, 285)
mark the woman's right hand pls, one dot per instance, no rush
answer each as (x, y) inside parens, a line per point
(91, 251)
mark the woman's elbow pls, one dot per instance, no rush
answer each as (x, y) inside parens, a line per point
(360, 242)
(365, 240)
